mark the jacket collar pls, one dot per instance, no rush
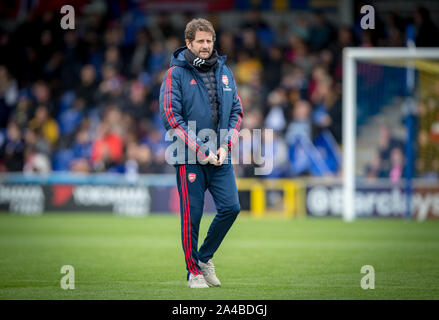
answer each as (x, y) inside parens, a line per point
(178, 59)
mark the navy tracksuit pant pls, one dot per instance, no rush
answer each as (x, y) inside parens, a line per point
(193, 180)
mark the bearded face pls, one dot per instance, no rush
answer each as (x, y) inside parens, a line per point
(202, 45)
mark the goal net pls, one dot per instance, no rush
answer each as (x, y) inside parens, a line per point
(390, 131)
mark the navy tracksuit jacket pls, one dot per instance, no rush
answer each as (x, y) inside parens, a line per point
(184, 98)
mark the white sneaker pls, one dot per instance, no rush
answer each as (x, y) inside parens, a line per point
(208, 270)
(197, 282)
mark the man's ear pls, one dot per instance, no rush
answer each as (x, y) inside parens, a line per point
(188, 43)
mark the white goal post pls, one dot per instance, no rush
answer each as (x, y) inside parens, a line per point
(350, 57)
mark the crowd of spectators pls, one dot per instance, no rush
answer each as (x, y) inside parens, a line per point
(86, 100)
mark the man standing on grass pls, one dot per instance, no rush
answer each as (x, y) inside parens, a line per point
(200, 89)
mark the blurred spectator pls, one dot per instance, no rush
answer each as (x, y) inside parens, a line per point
(36, 162)
(158, 57)
(36, 141)
(396, 165)
(295, 81)
(145, 159)
(273, 61)
(172, 44)
(257, 34)
(69, 121)
(345, 39)
(46, 124)
(276, 150)
(82, 145)
(226, 46)
(86, 90)
(8, 95)
(319, 75)
(301, 28)
(373, 170)
(42, 97)
(113, 35)
(327, 112)
(387, 142)
(394, 21)
(253, 119)
(246, 67)
(22, 113)
(107, 149)
(389, 159)
(368, 39)
(6, 55)
(71, 62)
(426, 30)
(298, 53)
(394, 30)
(153, 138)
(301, 124)
(12, 152)
(138, 102)
(322, 31)
(131, 167)
(112, 57)
(111, 89)
(140, 52)
(80, 166)
(112, 116)
(164, 26)
(277, 104)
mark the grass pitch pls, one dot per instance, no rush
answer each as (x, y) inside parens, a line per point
(272, 258)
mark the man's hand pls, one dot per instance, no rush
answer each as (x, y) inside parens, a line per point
(221, 154)
(211, 158)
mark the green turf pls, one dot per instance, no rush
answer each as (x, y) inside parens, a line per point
(142, 258)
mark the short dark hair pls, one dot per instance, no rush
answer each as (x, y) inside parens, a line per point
(198, 24)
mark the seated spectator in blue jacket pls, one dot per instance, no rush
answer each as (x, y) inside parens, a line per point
(82, 145)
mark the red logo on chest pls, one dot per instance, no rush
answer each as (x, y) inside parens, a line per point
(225, 80)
